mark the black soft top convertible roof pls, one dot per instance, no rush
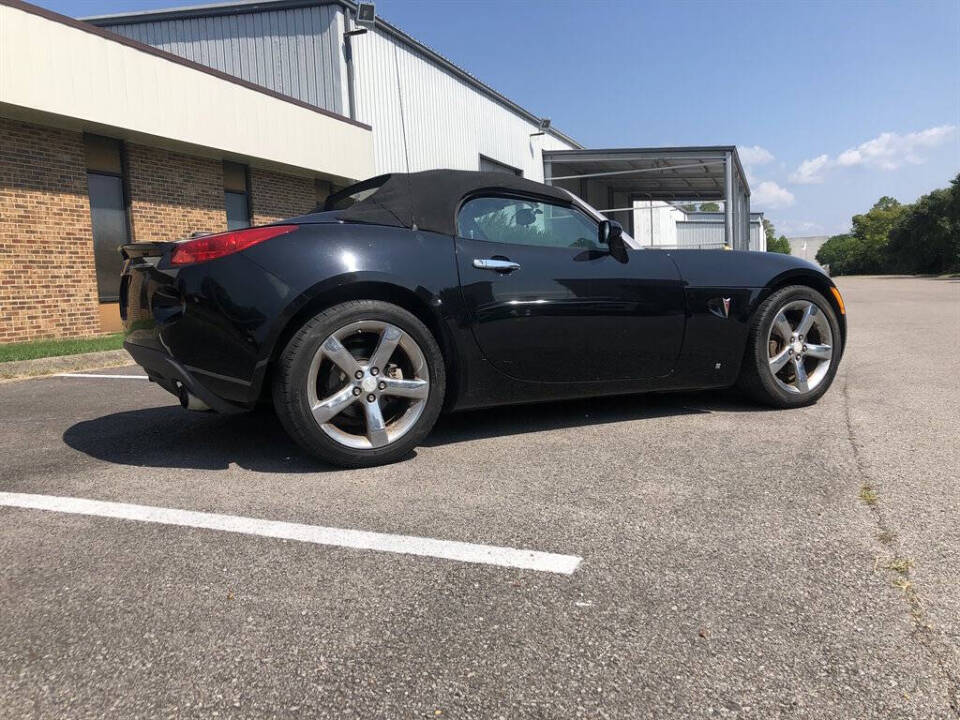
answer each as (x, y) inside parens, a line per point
(429, 200)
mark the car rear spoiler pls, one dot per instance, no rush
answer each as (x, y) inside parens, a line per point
(143, 249)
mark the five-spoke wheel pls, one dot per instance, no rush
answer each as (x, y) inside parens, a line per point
(792, 349)
(360, 384)
(368, 384)
(800, 344)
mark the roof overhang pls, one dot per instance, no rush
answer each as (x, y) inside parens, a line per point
(667, 173)
(61, 72)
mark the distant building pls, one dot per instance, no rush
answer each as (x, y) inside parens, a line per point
(807, 247)
(667, 225)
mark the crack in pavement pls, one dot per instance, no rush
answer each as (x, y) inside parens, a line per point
(928, 638)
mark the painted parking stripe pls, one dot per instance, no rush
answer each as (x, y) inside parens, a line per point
(95, 375)
(358, 539)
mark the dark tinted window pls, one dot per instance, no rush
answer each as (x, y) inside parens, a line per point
(238, 210)
(236, 195)
(526, 222)
(108, 212)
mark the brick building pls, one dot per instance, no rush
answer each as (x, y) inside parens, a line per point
(154, 125)
(105, 141)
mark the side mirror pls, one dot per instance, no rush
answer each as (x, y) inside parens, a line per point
(610, 233)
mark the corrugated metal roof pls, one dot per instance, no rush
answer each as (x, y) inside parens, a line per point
(247, 6)
(694, 168)
(660, 173)
(294, 51)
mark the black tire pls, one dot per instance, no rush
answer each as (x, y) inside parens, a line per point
(290, 395)
(756, 380)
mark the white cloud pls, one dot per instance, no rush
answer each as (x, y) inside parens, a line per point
(887, 151)
(764, 193)
(768, 194)
(754, 155)
(810, 171)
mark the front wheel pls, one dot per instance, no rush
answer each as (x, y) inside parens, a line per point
(793, 349)
(360, 384)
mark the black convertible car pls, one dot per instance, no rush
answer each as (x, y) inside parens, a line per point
(410, 294)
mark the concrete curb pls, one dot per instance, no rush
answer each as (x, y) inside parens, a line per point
(21, 369)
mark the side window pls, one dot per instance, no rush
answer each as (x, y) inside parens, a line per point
(526, 222)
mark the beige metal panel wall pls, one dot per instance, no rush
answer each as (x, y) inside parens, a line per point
(59, 74)
(296, 51)
(426, 117)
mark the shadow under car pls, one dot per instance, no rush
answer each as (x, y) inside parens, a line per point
(171, 437)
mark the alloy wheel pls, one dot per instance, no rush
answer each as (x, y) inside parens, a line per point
(799, 346)
(368, 384)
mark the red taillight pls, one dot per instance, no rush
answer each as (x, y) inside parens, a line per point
(209, 247)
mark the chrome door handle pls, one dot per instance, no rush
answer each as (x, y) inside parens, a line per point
(503, 266)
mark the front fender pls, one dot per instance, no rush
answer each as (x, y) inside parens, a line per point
(713, 346)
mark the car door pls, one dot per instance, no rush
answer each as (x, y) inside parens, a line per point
(548, 303)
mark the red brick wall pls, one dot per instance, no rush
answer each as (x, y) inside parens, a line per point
(48, 287)
(274, 196)
(173, 195)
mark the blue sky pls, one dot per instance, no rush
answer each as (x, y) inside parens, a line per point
(835, 103)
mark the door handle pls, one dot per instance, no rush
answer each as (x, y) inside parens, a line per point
(500, 266)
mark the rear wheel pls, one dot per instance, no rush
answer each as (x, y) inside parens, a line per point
(793, 349)
(360, 384)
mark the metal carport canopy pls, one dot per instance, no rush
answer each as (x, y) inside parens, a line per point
(665, 173)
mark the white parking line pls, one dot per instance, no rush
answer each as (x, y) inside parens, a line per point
(95, 375)
(359, 539)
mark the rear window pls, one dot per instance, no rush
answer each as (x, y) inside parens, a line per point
(350, 196)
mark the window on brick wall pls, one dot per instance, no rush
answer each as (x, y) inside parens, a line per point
(236, 192)
(108, 212)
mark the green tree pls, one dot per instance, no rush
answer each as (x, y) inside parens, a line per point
(864, 250)
(774, 243)
(926, 239)
(769, 231)
(709, 207)
(779, 245)
(871, 231)
(838, 252)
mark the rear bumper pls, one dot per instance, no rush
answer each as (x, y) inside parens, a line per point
(170, 375)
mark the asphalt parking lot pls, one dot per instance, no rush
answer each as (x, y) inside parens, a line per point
(734, 562)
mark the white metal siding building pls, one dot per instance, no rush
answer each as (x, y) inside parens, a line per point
(663, 224)
(296, 51)
(705, 229)
(425, 112)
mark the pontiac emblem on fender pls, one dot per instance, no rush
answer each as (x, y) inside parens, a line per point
(719, 307)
